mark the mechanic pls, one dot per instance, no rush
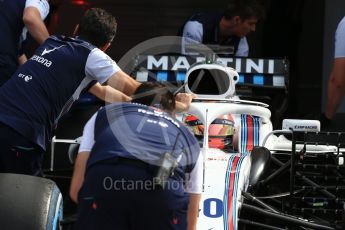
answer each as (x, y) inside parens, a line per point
(228, 28)
(16, 18)
(336, 82)
(44, 88)
(121, 151)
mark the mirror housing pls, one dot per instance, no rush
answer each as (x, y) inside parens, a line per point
(211, 81)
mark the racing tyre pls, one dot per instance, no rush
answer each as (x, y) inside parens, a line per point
(29, 202)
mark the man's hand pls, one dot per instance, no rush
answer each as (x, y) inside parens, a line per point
(183, 101)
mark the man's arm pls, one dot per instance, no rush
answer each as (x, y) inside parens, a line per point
(194, 188)
(336, 81)
(243, 48)
(78, 175)
(123, 82)
(193, 211)
(108, 94)
(336, 87)
(85, 147)
(35, 25)
(192, 34)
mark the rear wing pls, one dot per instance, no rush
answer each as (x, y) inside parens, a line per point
(254, 72)
(264, 80)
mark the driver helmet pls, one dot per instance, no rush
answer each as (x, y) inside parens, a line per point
(220, 131)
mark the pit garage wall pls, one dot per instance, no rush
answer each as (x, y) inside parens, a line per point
(293, 29)
(137, 20)
(334, 12)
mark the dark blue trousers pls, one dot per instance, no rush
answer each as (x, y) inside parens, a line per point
(121, 196)
(18, 155)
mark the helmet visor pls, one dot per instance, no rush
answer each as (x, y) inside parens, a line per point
(219, 127)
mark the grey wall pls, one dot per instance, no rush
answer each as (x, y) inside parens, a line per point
(334, 11)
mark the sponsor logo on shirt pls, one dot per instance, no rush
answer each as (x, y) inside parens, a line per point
(162, 115)
(162, 124)
(45, 51)
(191, 36)
(26, 78)
(41, 60)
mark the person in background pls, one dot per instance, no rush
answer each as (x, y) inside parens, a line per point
(123, 147)
(16, 18)
(43, 89)
(228, 28)
(336, 82)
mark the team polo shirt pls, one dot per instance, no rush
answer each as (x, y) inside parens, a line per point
(43, 8)
(45, 87)
(204, 28)
(11, 26)
(140, 132)
(340, 40)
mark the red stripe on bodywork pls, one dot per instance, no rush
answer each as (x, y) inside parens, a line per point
(230, 194)
(250, 133)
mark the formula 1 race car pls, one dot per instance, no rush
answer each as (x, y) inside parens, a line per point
(254, 177)
(284, 179)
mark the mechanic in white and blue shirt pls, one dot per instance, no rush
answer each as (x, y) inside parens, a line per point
(121, 151)
(336, 81)
(16, 18)
(228, 28)
(44, 88)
